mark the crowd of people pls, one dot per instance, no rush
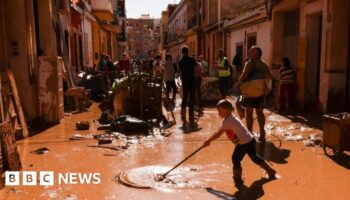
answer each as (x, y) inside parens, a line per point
(191, 70)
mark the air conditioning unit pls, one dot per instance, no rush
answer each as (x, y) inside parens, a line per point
(62, 6)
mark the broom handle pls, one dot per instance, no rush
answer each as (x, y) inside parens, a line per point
(188, 157)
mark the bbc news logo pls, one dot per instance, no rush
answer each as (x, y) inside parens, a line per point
(48, 178)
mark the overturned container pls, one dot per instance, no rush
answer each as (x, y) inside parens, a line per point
(336, 133)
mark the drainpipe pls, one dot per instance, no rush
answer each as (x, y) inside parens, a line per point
(219, 13)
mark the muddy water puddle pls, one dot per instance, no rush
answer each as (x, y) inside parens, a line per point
(186, 177)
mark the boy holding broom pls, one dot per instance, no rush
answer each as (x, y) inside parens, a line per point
(242, 138)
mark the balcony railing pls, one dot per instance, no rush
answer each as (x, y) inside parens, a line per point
(193, 22)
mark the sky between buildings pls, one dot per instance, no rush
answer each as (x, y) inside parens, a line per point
(134, 8)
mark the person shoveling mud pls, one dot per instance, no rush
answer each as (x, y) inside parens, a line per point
(242, 138)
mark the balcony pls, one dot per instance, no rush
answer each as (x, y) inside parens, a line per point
(104, 9)
(193, 22)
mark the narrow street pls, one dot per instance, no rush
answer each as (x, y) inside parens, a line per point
(305, 172)
(162, 99)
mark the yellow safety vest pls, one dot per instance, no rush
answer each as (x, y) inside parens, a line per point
(222, 71)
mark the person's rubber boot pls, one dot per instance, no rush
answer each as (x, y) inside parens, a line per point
(270, 172)
(237, 178)
(193, 126)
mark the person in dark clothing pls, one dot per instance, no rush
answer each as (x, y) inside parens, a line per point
(187, 66)
(110, 69)
(102, 63)
(237, 62)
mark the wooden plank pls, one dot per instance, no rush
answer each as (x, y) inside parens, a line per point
(10, 154)
(18, 103)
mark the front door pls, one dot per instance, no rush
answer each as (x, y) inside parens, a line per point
(312, 75)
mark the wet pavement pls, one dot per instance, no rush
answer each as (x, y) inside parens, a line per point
(304, 172)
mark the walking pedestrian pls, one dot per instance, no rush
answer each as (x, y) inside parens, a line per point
(186, 66)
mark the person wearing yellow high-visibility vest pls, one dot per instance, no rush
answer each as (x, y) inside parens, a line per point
(223, 73)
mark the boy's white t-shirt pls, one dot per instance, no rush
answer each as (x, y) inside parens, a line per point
(235, 129)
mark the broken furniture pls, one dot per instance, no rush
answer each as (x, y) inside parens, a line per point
(138, 95)
(336, 133)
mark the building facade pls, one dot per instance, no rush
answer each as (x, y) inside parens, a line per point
(44, 42)
(177, 30)
(315, 36)
(142, 40)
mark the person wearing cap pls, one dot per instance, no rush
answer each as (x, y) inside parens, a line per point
(255, 68)
(223, 73)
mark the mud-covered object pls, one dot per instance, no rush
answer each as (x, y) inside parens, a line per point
(82, 125)
(106, 117)
(95, 82)
(127, 124)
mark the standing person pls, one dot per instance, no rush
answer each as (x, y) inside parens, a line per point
(169, 77)
(286, 92)
(223, 73)
(186, 66)
(102, 63)
(237, 62)
(150, 66)
(242, 138)
(198, 76)
(157, 66)
(110, 69)
(204, 65)
(124, 65)
(255, 68)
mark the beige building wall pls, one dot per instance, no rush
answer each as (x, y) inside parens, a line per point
(20, 43)
(321, 50)
(262, 33)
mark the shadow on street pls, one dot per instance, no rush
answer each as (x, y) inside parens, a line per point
(271, 153)
(254, 191)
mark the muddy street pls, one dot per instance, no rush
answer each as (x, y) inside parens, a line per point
(303, 172)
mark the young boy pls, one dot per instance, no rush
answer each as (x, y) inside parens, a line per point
(242, 138)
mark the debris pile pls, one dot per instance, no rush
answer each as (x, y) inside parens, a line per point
(295, 132)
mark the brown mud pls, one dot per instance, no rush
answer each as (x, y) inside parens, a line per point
(306, 173)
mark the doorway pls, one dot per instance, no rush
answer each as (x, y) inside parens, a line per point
(312, 73)
(291, 32)
(251, 41)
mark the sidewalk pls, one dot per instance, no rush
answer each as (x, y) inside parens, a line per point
(306, 173)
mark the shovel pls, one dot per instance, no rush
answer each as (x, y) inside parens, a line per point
(160, 177)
